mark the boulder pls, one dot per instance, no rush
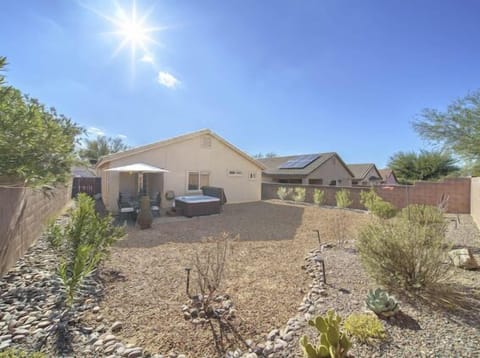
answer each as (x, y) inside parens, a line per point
(463, 258)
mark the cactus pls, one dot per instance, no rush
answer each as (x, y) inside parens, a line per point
(332, 342)
(380, 302)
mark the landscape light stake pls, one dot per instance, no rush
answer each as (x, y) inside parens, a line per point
(188, 269)
(319, 260)
(318, 235)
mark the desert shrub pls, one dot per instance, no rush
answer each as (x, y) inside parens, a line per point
(210, 263)
(318, 197)
(376, 205)
(401, 252)
(81, 243)
(422, 214)
(283, 192)
(18, 353)
(342, 198)
(332, 341)
(299, 194)
(364, 327)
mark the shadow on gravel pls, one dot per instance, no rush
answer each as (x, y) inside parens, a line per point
(458, 302)
(403, 320)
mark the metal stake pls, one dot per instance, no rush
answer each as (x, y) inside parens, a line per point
(188, 280)
(318, 235)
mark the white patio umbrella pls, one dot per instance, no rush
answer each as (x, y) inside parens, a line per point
(140, 169)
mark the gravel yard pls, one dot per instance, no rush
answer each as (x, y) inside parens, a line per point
(266, 282)
(140, 290)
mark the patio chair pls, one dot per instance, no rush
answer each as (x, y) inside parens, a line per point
(125, 207)
(155, 204)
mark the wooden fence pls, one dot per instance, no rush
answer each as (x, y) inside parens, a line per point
(90, 186)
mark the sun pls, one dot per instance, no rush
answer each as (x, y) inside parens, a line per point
(132, 30)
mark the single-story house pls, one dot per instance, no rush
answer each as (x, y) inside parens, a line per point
(365, 174)
(388, 177)
(186, 163)
(315, 169)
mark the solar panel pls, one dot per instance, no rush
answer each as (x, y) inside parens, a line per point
(299, 162)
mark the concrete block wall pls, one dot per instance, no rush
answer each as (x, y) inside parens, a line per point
(23, 214)
(429, 193)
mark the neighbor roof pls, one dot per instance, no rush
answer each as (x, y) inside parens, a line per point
(83, 172)
(129, 152)
(274, 165)
(385, 173)
(360, 171)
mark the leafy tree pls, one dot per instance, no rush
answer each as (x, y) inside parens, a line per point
(94, 149)
(426, 165)
(37, 144)
(3, 63)
(457, 128)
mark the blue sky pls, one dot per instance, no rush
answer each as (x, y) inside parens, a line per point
(269, 76)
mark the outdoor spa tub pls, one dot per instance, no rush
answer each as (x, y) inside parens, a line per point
(197, 205)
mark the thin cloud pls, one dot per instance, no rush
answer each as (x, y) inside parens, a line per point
(147, 58)
(121, 136)
(167, 79)
(95, 131)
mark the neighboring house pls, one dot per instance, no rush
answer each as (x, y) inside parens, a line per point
(388, 177)
(83, 172)
(315, 169)
(193, 160)
(365, 174)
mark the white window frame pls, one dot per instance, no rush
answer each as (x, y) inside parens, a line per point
(236, 173)
(200, 173)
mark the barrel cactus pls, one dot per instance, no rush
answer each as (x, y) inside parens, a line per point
(332, 342)
(380, 302)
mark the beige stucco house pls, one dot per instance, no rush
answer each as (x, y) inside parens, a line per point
(365, 174)
(193, 160)
(315, 169)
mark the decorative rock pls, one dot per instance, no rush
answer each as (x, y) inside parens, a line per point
(43, 324)
(116, 326)
(463, 258)
(5, 345)
(273, 333)
(96, 309)
(108, 338)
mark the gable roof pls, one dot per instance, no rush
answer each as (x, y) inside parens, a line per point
(129, 152)
(360, 171)
(385, 173)
(273, 164)
(83, 172)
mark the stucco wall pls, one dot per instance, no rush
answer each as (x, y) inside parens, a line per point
(191, 155)
(332, 169)
(23, 213)
(475, 200)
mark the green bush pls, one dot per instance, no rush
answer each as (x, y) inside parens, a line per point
(402, 252)
(342, 198)
(17, 353)
(81, 243)
(318, 197)
(299, 194)
(376, 205)
(283, 192)
(422, 214)
(332, 342)
(364, 327)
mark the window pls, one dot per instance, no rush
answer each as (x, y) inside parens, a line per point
(252, 175)
(333, 182)
(235, 173)
(315, 181)
(290, 181)
(197, 179)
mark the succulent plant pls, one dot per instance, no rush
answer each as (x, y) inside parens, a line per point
(380, 302)
(332, 342)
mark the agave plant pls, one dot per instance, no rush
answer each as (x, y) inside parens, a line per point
(380, 302)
